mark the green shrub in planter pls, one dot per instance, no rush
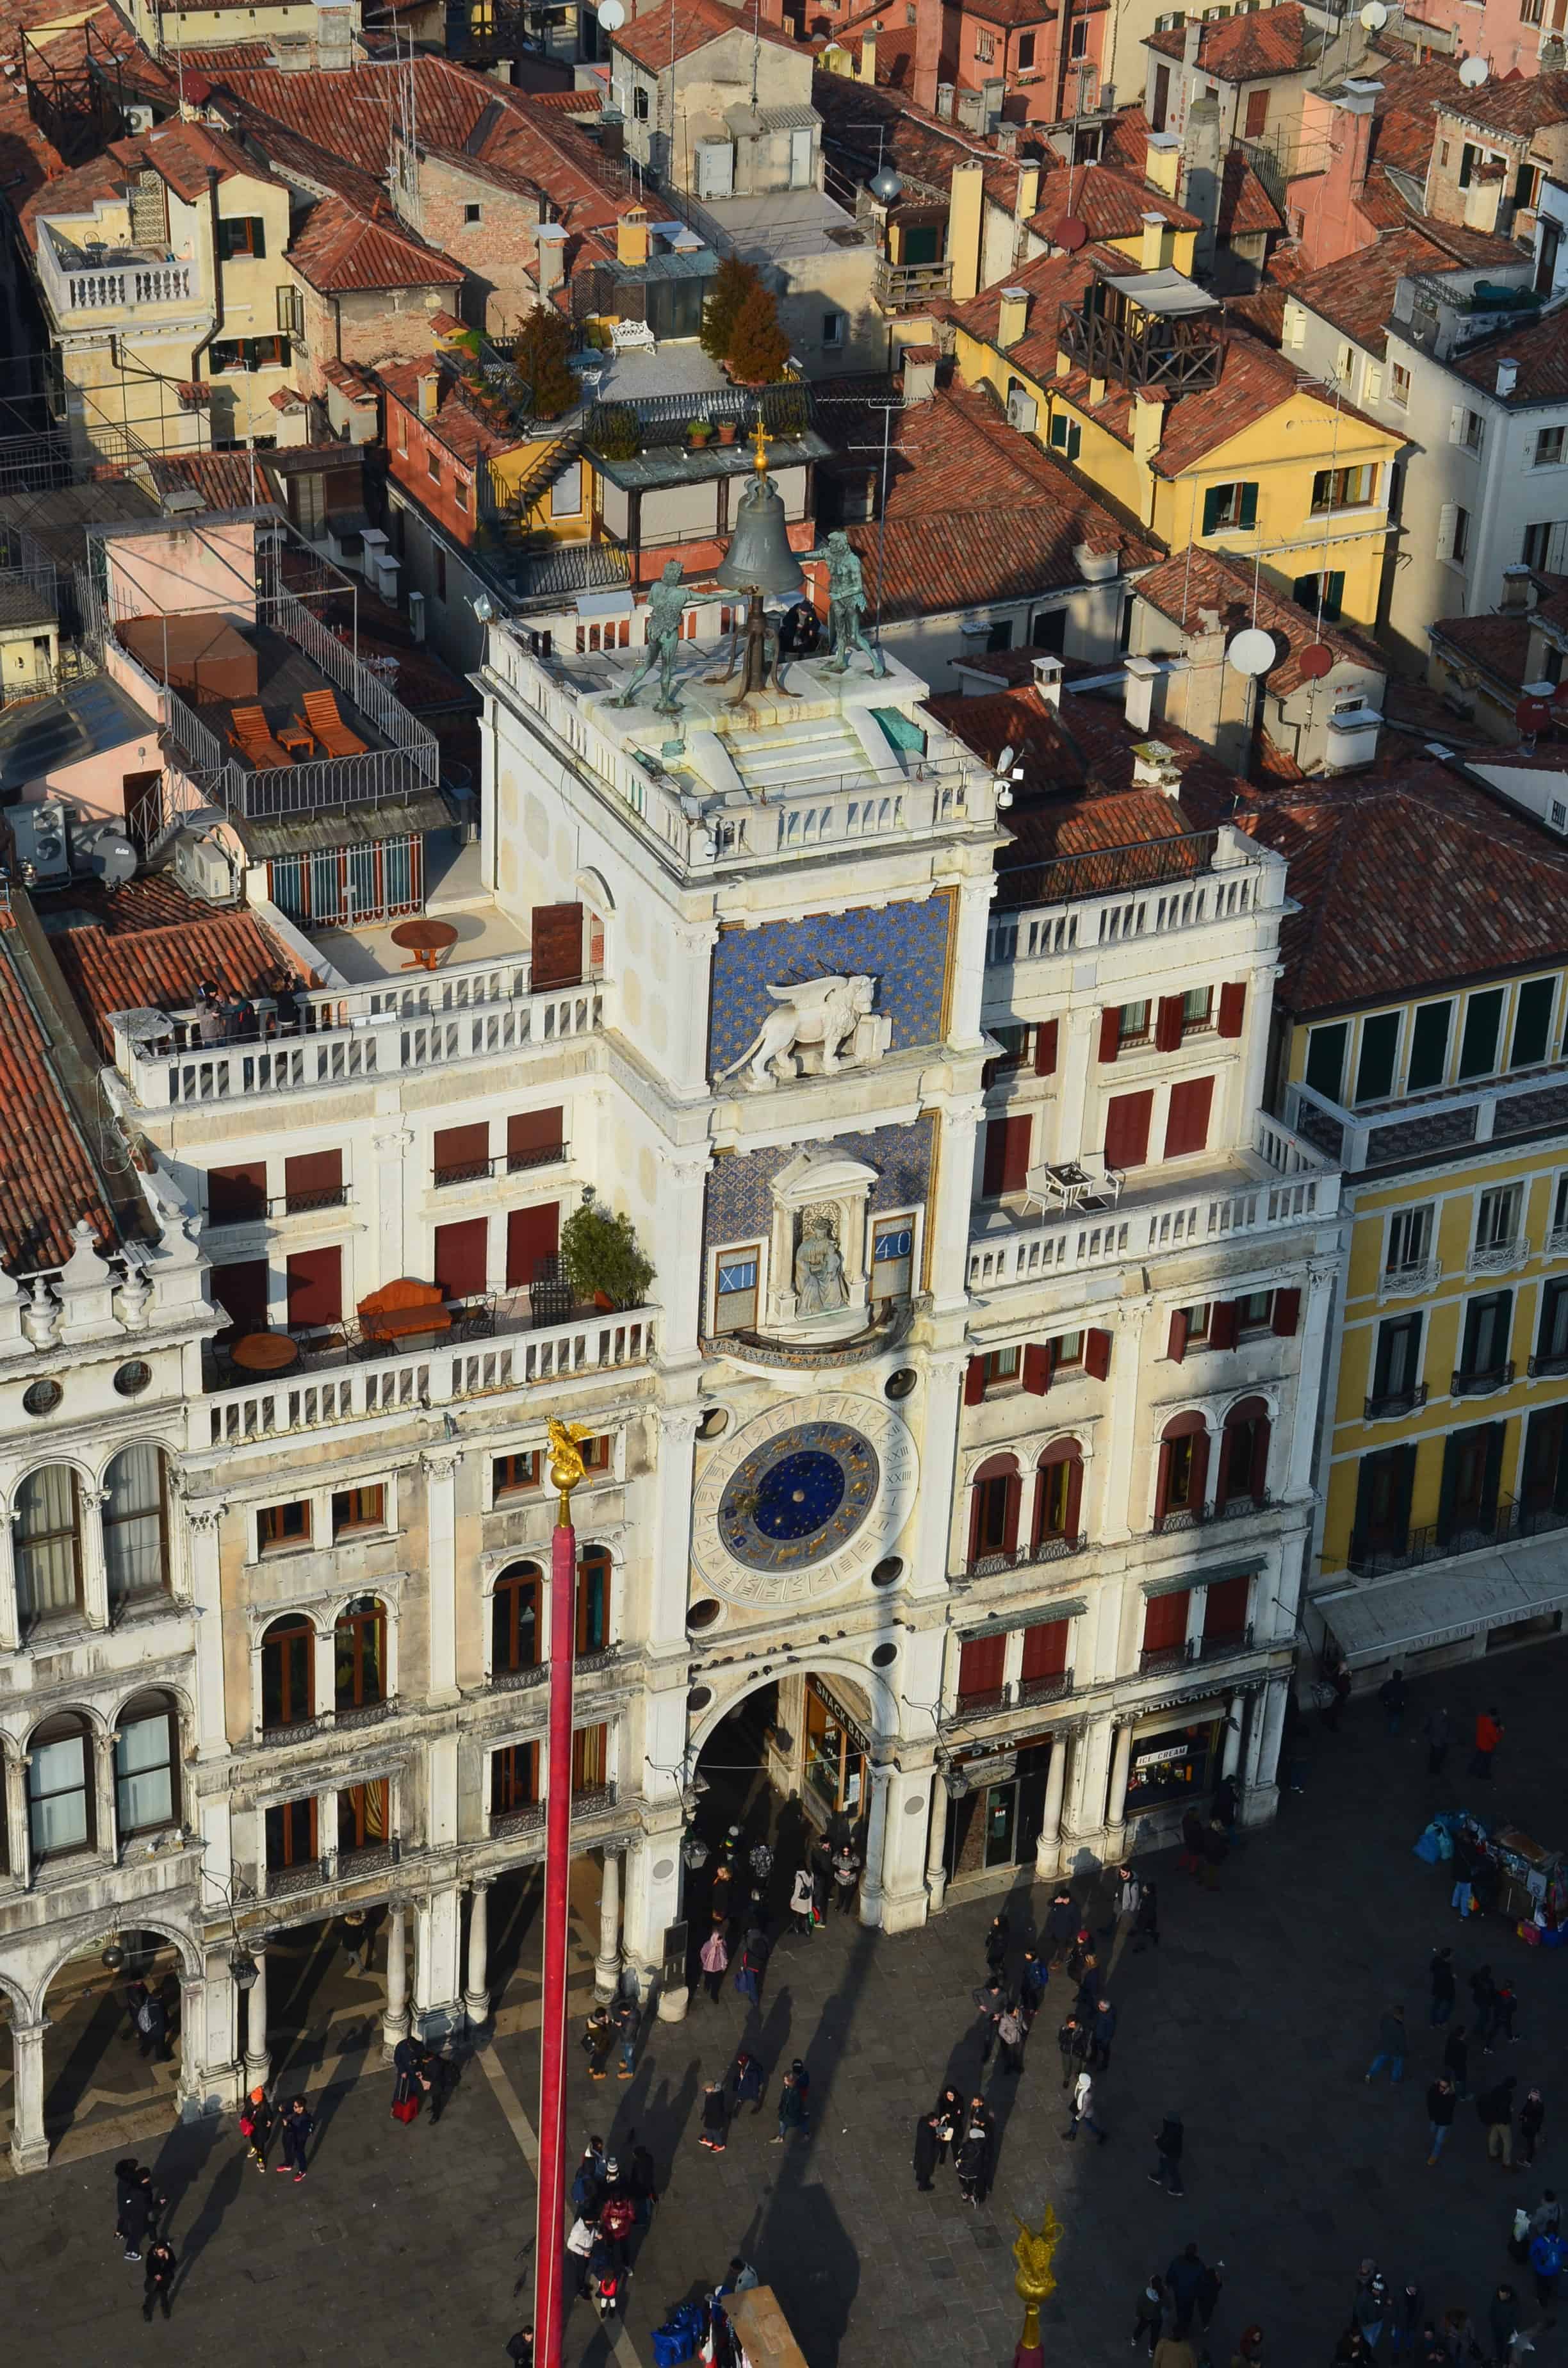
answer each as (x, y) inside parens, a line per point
(600, 1254)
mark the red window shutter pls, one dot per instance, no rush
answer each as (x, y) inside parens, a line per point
(462, 1254)
(315, 1287)
(1074, 1495)
(1259, 1477)
(975, 1381)
(1287, 1313)
(981, 1663)
(1232, 1008)
(1186, 1122)
(1225, 1608)
(1163, 1481)
(1097, 1355)
(995, 1154)
(1200, 1471)
(1015, 1505)
(1224, 1322)
(1037, 1369)
(1007, 1156)
(532, 1136)
(1165, 1622)
(240, 1292)
(461, 1150)
(533, 1235)
(557, 951)
(235, 1196)
(1168, 1024)
(1175, 1339)
(1127, 1121)
(309, 1173)
(1111, 1032)
(1045, 1649)
(1045, 1037)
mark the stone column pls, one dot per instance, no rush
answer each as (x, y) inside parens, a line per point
(1115, 1809)
(1233, 1753)
(1309, 1379)
(1075, 1051)
(439, 1467)
(20, 1856)
(936, 1844)
(395, 2022)
(905, 1904)
(393, 1143)
(881, 1773)
(607, 1964)
(674, 1487)
(476, 1998)
(203, 1525)
(1261, 1796)
(1048, 1847)
(1084, 1820)
(436, 2004)
(29, 2147)
(192, 2040)
(650, 1897)
(11, 1632)
(95, 1568)
(258, 2059)
(104, 1833)
(1124, 1501)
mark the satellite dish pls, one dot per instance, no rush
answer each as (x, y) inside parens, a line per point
(1533, 715)
(1252, 651)
(1005, 762)
(612, 15)
(1473, 72)
(884, 186)
(1072, 233)
(1374, 15)
(1317, 661)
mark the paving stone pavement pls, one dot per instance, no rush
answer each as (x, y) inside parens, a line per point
(1256, 2018)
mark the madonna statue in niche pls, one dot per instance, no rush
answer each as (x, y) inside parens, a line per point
(819, 1271)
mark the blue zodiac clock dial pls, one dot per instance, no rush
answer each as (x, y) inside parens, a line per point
(803, 1499)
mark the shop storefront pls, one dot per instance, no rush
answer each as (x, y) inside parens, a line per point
(997, 1808)
(1176, 1760)
(837, 1748)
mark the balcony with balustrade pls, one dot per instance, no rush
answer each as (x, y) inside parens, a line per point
(88, 281)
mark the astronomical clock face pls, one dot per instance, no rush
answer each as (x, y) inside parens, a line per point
(802, 1500)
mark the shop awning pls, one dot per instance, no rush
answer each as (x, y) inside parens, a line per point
(1418, 1609)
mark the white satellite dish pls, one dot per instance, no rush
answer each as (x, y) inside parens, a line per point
(1374, 15)
(1252, 651)
(1005, 762)
(611, 15)
(1473, 72)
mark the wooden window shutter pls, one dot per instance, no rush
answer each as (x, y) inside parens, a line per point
(995, 1158)
(532, 1136)
(1168, 1024)
(1015, 1505)
(1163, 1481)
(1037, 1368)
(1232, 1008)
(462, 1150)
(1213, 503)
(533, 1238)
(1225, 1607)
(1200, 1471)
(1165, 1622)
(1258, 1476)
(1175, 1339)
(1111, 1032)
(557, 935)
(1224, 1323)
(315, 1287)
(975, 1381)
(460, 1255)
(1127, 1129)
(1187, 1120)
(1097, 1355)
(240, 1290)
(310, 1172)
(1287, 1313)
(981, 1663)
(1045, 1649)
(1045, 1049)
(1011, 1137)
(1074, 1497)
(236, 1195)
(1248, 518)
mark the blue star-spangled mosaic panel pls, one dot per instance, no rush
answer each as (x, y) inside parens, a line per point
(902, 946)
(798, 1496)
(739, 1203)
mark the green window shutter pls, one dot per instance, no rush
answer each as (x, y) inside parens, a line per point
(258, 235)
(1213, 503)
(1404, 1490)
(1075, 439)
(1249, 506)
(1058, 431)
(1447, 1485)
(1334, 593)
(1494, 1435)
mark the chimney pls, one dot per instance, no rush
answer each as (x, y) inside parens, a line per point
(927, 51)
(1012, 316)
(945, 102)
(1507, 378)
(429, 387)
(1154, 241)
(1517, 587)
(1192, 35)
(1201, 169)
(1333, 225)
(611, 130)
(1554, 56)
(1148, 427)
(1027, 201)
(1162, 162)
(632, 236)
(1007, 138)
(1048, 679)
(1142, 673)
(552, 241)
(919, 374)
(869, 58)
(966, 225)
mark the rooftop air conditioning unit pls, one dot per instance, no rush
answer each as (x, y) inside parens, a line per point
(136, 119)
(1022, 411)
(43, 842)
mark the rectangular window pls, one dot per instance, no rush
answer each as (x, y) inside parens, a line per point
(1399, 385)
(241, 234)
(58, 1814)
(1230, 506)
(1319, 595)
(1187, 1122)
(312, 1180)
(461, 1258)
(1383, 1485)
(1487, 1324)
(640, 104)
(1409, 1239)
(1374, 1067)
(1007, 1157)
(1196, 1321)
(734, 1290)
(1026, 51)
(433, 465)
(236, 1196)
(278, 1527)
(514, 1778)
(981, 1663)
(1532, 1022)
(1127, 1121)
(892, 1248)
(984, 47)
(291, 319)
(566, 492)
(1429, 1045)
(1078, 41)
(1552, 1342)
(832, 327)
(1066, 436)
(533, 1244)
(1548, 448)
(1467, 1501)
(471, 212)
(1197, 1010)
(535, 1139)
(590, 1758)
(1478, 1046)
(1255, 1313)
(1001, 1366)
(510, 1476)
(358, 1509)
(1459, 548)
(1535, 551)
(1132, 1023)
(1344, 489)
(1396, 1367)
(1497, 1216)
(1014, 1041)
(143, 1774)
(1325, 1060)
(461, 1152)
(1257, 112)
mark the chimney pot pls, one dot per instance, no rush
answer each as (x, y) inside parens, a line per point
(1508, 377)
(945, 101)
(632, 236)
(1012, 316)
(1142, 675)
(1154, 241)
(1047, 678)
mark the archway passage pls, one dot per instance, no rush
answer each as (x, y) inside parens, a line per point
(98, 2062)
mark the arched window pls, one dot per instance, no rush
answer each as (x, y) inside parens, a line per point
(48, 1546)
(59, 1787)
(1058, 1497)
(514, 1619)
(135, 1526)
(995, 1493)
(1244, 1455)
(359, 1654)
(146, 1766)
(287, 1672)
(1180, 1491)
(593, 1599)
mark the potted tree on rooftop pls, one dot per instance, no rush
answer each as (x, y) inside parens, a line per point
(758, 348)
(601, 1256)
(539, 354)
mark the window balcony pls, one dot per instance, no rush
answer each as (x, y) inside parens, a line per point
(1181, 1517)
(1235, 1509)
(1022, 1694)
(1023, 1557)
(1482, 1381)
(1415, 1282)
(1499, 1258)
(1156, 1659)
(501, 1163)
(1542, 1369)
(304, 1204)
(1437, 1542)
(1396, 1402)
(901, 287)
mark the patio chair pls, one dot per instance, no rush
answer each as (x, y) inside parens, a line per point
(251, 734)
(327, 726)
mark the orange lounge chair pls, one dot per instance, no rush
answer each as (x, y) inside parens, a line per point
(251, 734)
(331, 732)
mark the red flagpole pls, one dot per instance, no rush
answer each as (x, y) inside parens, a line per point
(551, 2233)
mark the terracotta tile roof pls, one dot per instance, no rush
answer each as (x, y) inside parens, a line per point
(1124, 140)
(1246, 206)
(1540, 349)
(1510, 107)
(1411, 879)
(462, 433)
(676, 28)
(1356, 296)
(154, 901)
(1498, 646)
(161, 967)
(1199, 579)
(1277, 40)
(1012, 12)
(185, 155)
(1112, 204)
(305, 165)
(339, 249)
(47, 1179)
(865, 122)
(224, 480)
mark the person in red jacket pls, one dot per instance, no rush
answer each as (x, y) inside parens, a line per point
(1488, 1736)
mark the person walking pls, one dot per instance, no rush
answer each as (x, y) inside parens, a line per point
(598, 2038)
(1073, 2045)
(1223, 1807)
(803, 1921)
(1393, 2041)
(1210, 2286)
(1532, 2118)
(749, 1971)
(1504, 2007)
(1248, 2353)
(1124, 1904)
(1102, 2030)
(1495, 2110)
(153, 2029)
(1407, 2319)
(1391, 1694)
(1216, 1849)
(791, 2108)
(1146, 1925)
(1061, 1927)
(258, 2118)
(1369, 2309)
(990, 2004)
(297, 2122)
(439, 2076)
(158, 2278)
(1441, 1974)
(1169, 2142)
(1455, 2060)
(1440, 2102)
(998, 1941)
(1191, 1856)
(1488, 1736)
(1149, 2316)
(846, 1877)
(970, 2160)
(715, 2117)
(1091, 1983)
(1033, 1976)
(1438, 1730)
(713, 1957)
(1183, 2278)
(1503, 2321)
(628, 2019)
(1483, 1998)
(355, 1932)
(1010, 2028)
(1546, 2256)
(751, 2083)
(140, 2205)
(927, 2151)
(1081, 2111)
(519, 2348)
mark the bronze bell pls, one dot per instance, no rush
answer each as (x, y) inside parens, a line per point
(759, 558)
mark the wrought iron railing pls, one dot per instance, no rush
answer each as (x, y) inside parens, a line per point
(1018, 1694)
(500, 1163)
(1022, 1557)
(1392, 1402)
(1437, 1540)
(1156, 1657)
(1481, 1381)
(1542, 1368)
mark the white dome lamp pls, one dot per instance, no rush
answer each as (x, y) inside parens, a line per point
(885, 186)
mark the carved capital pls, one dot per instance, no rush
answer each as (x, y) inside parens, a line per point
(681, 1424)
(393, 1141)
(441, 1462)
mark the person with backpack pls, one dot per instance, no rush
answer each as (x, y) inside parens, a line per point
(714, 1958)
(802, 1904)
(618, 2217)
(1546, 2255)
(792, 2106)
(258, 2118)
(152, 2028)
(1033, 1978)
(752, 1964)
(1010, 2031)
